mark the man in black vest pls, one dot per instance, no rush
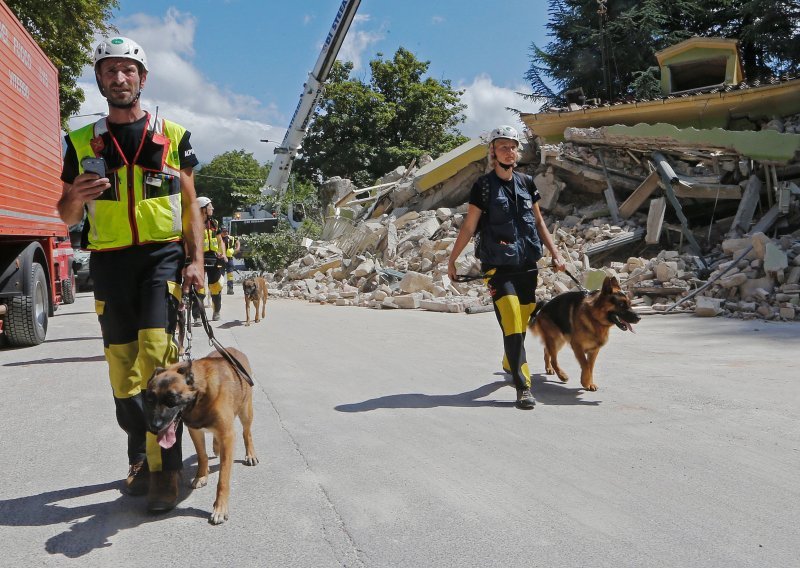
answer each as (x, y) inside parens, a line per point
(503, 206)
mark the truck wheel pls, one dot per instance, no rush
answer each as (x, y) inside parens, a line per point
(68, 288)
(26, 320)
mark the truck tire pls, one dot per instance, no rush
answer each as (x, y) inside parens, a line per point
(68, 288)
(26, 320)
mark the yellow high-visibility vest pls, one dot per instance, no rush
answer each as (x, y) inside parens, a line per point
(141, 206)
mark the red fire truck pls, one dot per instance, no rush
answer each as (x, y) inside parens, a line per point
(35, 252)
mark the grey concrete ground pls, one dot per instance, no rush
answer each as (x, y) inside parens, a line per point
(388, 438)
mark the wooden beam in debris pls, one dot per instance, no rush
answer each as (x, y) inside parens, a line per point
(639, 196)
(747, 207)
(655, 220)
(708, 191)
(611, 199)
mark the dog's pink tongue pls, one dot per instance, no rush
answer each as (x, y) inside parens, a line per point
(628, 326)
(167, 436)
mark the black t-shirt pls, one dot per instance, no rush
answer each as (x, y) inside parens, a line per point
(129, 138)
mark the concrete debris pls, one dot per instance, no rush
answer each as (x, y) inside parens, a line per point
(412, 272)
(388, 246)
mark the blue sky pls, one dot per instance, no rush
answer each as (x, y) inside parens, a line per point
(231, 71)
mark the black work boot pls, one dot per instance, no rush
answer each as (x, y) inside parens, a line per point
(163, 493)
(216, 300)
(138, 480)
(525, 399)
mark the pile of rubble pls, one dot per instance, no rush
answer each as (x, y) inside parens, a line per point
(401, 262)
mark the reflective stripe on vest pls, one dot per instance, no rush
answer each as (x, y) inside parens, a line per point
(142, 206)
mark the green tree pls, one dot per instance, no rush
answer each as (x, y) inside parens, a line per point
(65, 30)
(361, 130)
(604, 53)
(272, 251)
(231, 180)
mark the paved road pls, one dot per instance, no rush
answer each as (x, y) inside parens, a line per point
(388, 438)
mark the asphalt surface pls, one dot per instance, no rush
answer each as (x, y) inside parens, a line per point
(389, 438)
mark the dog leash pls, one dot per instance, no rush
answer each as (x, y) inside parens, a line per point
(235, 363)
(186, 300)
(572, 277)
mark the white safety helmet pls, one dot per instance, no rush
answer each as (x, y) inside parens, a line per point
(508, 132)
(203, 202)
(120, 47)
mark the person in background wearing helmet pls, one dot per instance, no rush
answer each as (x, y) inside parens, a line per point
(503, 207)
(214, 261)
(231, 246)
(145, 234)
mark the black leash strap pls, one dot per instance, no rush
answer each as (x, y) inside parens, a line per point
(235, 363)
(572, 277)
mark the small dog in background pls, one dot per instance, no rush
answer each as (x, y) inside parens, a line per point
(207, 394)
(583, 321)
(255, 292)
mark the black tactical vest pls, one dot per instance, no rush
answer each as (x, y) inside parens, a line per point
(507, 233)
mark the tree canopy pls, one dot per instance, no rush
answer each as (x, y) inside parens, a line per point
(65, 31)
(231, 180)
(605, 53)
(361, 130)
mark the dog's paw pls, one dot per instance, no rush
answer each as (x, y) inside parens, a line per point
(218, 517)
(247, 324)
(250, 460)
(563, 377)
(591, 387)
(199, 482)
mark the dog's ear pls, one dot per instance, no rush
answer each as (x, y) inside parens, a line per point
(157, 371)
(611, 285)
(186, 371)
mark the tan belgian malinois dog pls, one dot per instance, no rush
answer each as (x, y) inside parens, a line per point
(206, 394)
(255, 292)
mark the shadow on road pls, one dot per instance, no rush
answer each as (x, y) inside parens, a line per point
(50, 361)
(544, 391)
(88, 527)
(65, 339)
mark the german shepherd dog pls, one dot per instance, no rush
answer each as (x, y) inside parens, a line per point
(582, 320)
(255, 292)
(206, 394)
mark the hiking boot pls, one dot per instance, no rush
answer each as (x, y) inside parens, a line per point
(138, 479)
(163, 493)
(215, 316)
(230, 292)
(525, 399)
(197, 322)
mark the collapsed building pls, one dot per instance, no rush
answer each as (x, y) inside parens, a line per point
(691, 200)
